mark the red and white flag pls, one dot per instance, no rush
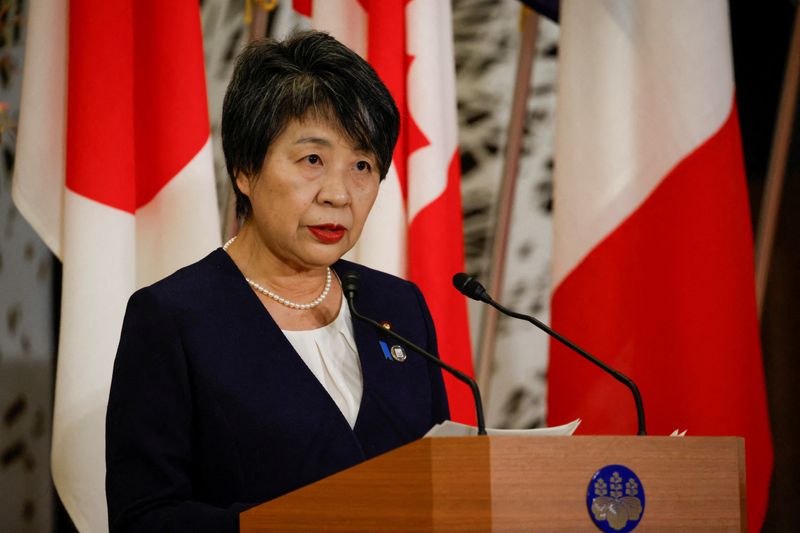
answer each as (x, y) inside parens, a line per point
(114, 171)
(653, 257)
(415, 228)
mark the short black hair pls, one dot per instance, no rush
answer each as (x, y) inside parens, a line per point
(308, 74)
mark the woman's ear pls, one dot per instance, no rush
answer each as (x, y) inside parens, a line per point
(243, 182)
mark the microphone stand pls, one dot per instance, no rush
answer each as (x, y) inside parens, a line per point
(473, 289)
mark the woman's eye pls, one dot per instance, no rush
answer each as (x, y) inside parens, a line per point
(363, 166)
(313, 159)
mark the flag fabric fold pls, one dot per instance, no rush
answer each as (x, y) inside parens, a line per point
(114, 171)
(415, 228)
(653, 254)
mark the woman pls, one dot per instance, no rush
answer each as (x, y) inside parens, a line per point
(242, 377)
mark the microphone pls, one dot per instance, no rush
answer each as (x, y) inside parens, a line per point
(472, 288)
(350, 282)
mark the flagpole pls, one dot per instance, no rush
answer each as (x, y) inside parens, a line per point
(776, 172)
(256, 17)
(514, 139)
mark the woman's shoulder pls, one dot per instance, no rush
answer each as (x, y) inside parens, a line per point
(371, 277)
(195, 283)
(381, 291)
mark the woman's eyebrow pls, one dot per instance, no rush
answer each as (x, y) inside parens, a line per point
(323, 141)
(313, 140)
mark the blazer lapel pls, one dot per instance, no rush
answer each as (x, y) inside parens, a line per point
(276, 355)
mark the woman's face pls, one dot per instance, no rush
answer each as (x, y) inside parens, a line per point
(313, 194)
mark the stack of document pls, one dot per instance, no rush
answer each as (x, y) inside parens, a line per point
(449, 428)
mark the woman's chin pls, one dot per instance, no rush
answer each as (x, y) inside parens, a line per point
(323, 255)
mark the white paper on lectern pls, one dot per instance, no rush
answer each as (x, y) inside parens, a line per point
(448, 428)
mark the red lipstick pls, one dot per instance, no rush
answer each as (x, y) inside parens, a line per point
(327, 233)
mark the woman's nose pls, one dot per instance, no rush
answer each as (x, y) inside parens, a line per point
(334, 189)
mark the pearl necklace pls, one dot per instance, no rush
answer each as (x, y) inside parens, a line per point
(280, 299)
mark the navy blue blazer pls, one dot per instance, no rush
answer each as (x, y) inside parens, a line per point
(212, 411)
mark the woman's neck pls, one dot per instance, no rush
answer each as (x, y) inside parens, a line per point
(259, 263)
(299, 285)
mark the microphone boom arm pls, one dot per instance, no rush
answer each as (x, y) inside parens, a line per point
(472, 288)
(616, 374)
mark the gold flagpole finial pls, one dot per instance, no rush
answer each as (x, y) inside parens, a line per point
(265, 5)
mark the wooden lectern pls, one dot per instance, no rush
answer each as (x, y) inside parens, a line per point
(510, 483)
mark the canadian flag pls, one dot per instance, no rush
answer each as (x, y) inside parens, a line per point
(415, 228)
(114, 171)
(653, 259)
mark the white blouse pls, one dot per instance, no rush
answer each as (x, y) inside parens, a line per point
(331, 355)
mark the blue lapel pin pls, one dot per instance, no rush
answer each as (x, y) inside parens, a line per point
(386, 353)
